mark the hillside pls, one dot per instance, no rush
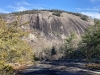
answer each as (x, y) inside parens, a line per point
(49, 42)
(49, 27)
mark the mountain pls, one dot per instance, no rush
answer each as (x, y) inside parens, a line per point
(50, 27)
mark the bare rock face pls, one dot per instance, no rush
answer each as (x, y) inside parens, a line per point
(47, 29)
(53, 26)
(57, 26)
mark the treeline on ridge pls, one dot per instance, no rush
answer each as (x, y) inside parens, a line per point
(56, 12)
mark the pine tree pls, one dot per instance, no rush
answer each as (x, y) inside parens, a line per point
(91, 39)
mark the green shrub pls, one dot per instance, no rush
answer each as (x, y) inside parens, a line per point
(7, 70)
(85, 18)
(12, 48)
(56, 14)
(53, 51)
(91, 41)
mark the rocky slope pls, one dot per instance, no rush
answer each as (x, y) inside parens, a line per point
(47, 29)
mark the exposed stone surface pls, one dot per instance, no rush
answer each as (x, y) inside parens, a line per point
(59, 67)
(47, 29)
(53, 26)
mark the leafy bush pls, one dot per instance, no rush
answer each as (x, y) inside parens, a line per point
(91, 41)
(56, 14)
(48, 54)
(69, 46)
(26, 12)
(83, 17)
(7, 70)
(12, 48)
(53, 51)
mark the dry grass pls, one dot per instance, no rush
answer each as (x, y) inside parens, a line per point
(93, 66)
(20, 66)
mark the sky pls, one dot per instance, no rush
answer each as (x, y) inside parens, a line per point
(87, 7)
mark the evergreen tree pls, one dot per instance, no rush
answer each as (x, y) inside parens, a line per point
(91, 39)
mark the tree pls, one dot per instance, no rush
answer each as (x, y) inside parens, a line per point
(53, 51)
(69, 45)
(91, 40)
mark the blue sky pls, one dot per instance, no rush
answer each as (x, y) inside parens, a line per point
(87, 7)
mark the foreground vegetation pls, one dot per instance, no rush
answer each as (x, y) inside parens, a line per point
(12, 48)
(55, 12)
(87, 47)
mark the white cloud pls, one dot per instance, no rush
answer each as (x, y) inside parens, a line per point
(3, 11)
(93, 9)
(23, 5)
(92, 14)
(94, 1)
(21, 8)
(42, 5)
(18, 8)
